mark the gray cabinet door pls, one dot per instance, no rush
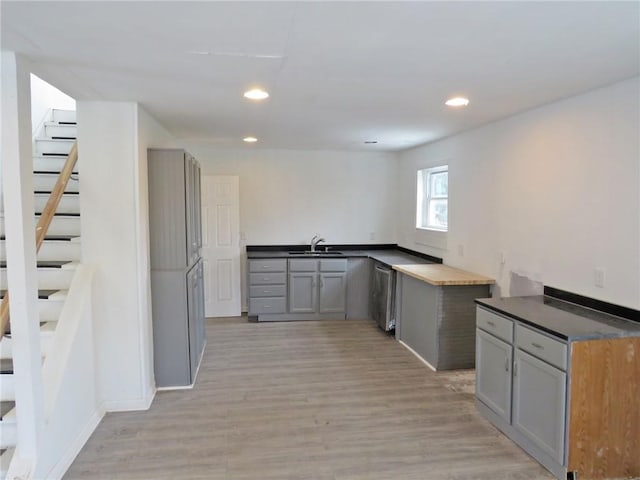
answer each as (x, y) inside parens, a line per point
(333, 292)
(193, 320)
(539, 394)
(302, 292)
(493, 373)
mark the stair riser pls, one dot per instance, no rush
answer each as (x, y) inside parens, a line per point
(6, 345)
(57, 130)
(63, 115)
(7, 387)
(50, 164)
(8, 434)
(64, 226)
(48, 278)
(43, 182)
(68, 203)
(5, 461)
(49, 310)
(52, 250)
(53, 146)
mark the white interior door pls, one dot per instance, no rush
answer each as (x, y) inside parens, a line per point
(221, 245)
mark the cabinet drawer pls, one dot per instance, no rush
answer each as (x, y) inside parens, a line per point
(497, 325)
(267, 305)
(541, 346)
(271, 265)
(267, 278)
(303, 265)
(333, 265)
(267, 291)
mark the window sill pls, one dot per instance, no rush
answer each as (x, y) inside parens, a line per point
(432, 229)
(431, 238)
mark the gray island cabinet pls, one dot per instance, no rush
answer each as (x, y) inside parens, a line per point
(436, 313)
(563, 387)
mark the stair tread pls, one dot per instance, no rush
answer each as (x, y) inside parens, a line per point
(45, 294)
(6, 407)
(45, 192)
(6, 366)
(52, 238)
(44, 264)
(48, 139)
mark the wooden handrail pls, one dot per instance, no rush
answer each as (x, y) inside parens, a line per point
(43, 223)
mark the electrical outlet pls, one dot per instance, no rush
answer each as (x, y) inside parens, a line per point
(461, 250)
(372, 236)
(598, 277)
(503, 258)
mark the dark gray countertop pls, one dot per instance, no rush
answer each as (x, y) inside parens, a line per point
(388, 257)
(562, 319)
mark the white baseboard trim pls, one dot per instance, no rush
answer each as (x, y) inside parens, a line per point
(130, 405)
(179, 387)
(417, 355)
(61, 467)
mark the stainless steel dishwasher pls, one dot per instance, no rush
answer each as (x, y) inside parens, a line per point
(383, 296)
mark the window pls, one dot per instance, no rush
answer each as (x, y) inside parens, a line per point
(433, 198)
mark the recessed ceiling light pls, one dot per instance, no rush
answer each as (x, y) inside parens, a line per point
(457, 102)
(198, 52)
(256, 94)
(250, 139)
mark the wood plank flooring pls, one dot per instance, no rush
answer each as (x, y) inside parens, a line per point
(334, 400)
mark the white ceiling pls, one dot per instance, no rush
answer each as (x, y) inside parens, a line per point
(339, 73)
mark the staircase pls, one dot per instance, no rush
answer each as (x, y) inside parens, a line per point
(56, 261)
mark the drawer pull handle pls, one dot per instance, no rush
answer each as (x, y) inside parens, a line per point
(489, 322)
(506, 364)
(537, 345)
(265, 279)
(515, 369)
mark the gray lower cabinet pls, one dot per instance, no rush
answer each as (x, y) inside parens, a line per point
(177, 291)
(303, 290)
(494, 358)
(267, 287)
(521, 386)
(318, 286)
(539, 396)
(281, 289)
(358, 278)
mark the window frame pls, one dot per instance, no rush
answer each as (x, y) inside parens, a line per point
(424, 197)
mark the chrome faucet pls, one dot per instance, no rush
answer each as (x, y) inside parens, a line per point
(315, 241)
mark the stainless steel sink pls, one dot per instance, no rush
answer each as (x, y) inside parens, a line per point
(317, 253)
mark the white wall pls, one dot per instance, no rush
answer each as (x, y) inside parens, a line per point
(108, 156)
(555, 188)
(287, 196)
(44, 97)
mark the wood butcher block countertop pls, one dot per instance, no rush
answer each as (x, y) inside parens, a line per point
(443, 275)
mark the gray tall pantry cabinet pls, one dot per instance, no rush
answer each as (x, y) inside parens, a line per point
(176, 267)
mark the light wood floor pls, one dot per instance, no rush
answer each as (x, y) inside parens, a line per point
(335, 400)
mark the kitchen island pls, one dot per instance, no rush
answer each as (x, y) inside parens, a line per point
(562, 381)
(436, 313)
